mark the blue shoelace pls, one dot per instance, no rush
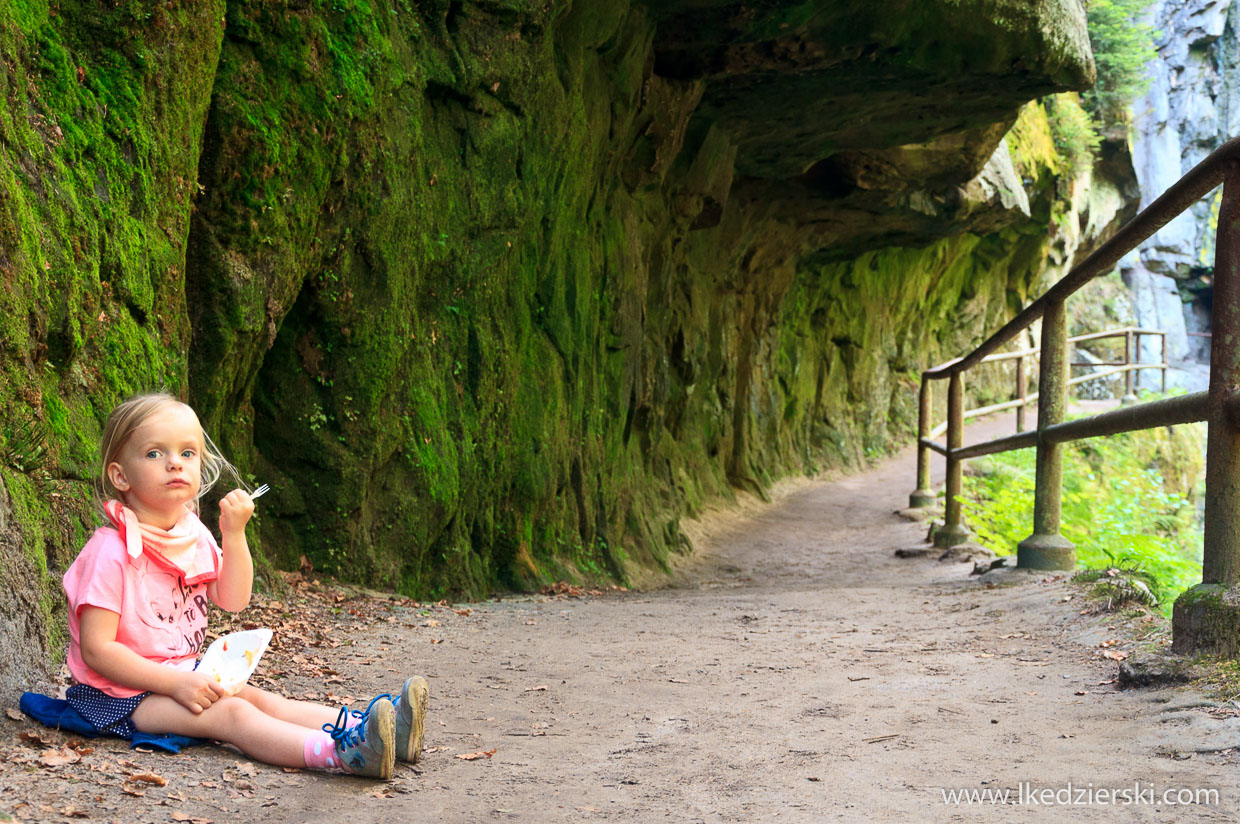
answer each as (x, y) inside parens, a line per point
(364, 714)
(344, 735)
(349, 737)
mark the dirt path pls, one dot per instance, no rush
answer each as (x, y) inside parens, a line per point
(797, 672)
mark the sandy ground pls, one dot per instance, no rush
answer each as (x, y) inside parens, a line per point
(797, 671)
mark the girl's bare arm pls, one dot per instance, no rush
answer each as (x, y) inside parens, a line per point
(231, 591)
(117, 662)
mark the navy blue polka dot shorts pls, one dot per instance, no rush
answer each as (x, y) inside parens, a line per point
(109, 715)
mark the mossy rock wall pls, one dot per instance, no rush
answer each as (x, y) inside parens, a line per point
(485, 297)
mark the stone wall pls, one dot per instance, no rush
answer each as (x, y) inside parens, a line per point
(495, 293)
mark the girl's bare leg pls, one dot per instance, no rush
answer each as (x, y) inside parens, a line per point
(231, 719)
(302, 713)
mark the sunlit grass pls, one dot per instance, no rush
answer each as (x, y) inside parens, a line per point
(1129, 501)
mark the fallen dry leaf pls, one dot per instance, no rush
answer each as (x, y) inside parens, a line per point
(148, 778)
(563, 588)
(539, 688)
(1115, 654)
(474, 756)
(59, 757)
(431, 622)
(33, 737)
(16, 715)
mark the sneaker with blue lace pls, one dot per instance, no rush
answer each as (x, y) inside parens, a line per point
(411, 718)
(369, 747)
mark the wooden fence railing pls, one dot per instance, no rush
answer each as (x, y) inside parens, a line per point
(1206, 617)
(1129, 366)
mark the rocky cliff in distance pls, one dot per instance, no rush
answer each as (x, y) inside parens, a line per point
(1190, 109)
(496, 292)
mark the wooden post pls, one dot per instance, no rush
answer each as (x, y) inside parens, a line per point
(953, 531)
(923, 495)
(1130, 396)
(1207, 616)
(1022, 381)
(1046, 548)
(1164, 362)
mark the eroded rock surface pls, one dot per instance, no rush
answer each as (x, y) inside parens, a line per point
(492, 293)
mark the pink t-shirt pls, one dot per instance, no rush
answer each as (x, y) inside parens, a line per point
(161, 618)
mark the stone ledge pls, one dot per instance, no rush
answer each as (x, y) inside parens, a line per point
(1206, 618)
(1154, 671)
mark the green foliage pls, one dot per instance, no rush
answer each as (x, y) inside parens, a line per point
(1076, 138)
(1129, 501)
(1031, 143)
(1122, 47)
(436, 277)
(1205, 257)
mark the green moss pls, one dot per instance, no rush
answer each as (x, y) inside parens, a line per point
(482, 295)
(1031, 143)
(1206, 619)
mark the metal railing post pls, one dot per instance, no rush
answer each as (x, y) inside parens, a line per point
(923, 495)
(1164, 363)
(1130, 396)
(953, 532)
(1022, 382)
(1207, 616)
(1046, 548)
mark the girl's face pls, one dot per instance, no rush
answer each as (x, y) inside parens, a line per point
(159, 469)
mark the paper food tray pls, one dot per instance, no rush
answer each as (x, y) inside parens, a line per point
(231, 659)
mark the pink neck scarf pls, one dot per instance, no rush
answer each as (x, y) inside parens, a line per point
(177, 549)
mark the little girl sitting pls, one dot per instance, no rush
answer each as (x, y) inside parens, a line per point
(138, 597)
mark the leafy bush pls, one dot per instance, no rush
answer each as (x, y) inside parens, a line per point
(1076, 138)
(1122, 47)
(1129, 501)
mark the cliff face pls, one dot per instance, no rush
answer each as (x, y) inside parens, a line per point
(1190, 109)
(496, 292)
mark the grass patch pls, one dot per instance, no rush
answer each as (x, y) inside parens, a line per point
(1129, 503)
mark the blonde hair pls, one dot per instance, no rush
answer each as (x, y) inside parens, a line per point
(120, 426)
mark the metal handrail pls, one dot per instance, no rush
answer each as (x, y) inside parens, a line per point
(1199, 182)
(1205, 620)
(1131, 334)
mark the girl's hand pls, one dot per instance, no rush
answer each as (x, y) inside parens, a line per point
(196, 692)
(235, 511)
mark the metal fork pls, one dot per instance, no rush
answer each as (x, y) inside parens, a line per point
(260, 491)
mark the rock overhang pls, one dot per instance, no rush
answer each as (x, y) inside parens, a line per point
(795, 83)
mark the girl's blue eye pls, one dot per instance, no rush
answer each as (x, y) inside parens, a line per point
(154, 453)
(187, 453)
